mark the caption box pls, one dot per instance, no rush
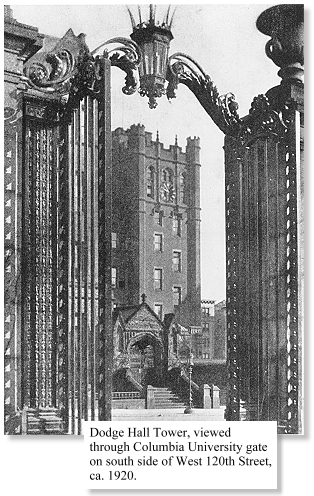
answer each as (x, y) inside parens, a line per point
(180, 455)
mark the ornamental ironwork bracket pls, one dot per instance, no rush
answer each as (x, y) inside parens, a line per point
(262, 121)
(126, 56)
(71, 71)
(222, 109)
(52, 72)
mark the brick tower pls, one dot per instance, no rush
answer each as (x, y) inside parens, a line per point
(156, 224)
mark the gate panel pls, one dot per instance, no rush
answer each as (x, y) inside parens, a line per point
(66, 275)
(88, 137)
(262, 220)
(83, 274)
(40, 255)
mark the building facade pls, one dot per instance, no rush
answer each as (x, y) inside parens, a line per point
(156, 224)
(210, 343)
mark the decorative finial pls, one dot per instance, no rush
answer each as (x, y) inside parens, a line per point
(171, 20)
(143, 296)
(176, 140)
(166, 20)
(8, 12)
(157, 137)
(151, 14)
(132, 18)
(285, 25)
(139, 14)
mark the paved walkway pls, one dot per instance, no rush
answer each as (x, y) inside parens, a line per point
(169, 414)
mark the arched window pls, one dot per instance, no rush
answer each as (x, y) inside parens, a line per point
(167, 176)
(150, 182)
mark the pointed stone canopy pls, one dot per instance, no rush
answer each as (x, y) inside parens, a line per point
(144, 320)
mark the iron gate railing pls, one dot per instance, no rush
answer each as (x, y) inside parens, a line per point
(67, 359)
(263, 228)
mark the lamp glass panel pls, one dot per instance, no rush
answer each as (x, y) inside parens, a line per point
(148, 56)
(161, 51)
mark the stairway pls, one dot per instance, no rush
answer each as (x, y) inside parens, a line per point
(165, 398)
(43, 421)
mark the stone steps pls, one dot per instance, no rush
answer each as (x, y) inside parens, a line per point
(45, 421)
(164, 398)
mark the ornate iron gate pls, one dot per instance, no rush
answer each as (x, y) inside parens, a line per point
(66, 275)
(264, 229)
(39, 254)
(66, 340)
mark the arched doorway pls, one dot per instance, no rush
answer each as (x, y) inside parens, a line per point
(146, 359)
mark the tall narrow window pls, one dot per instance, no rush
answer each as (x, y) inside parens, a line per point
(177, 225)
(183, 192)
(158, 278)
(158, 310)
(158, 218)
(150, 182)
(176, 261)
(167, 175)
(157, 242)
(176, 295)
(113, 277)
(114, 240)
(167, 191)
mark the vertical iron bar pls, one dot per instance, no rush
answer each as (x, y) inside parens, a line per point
(272, 258)
(79, 272)
(96, 326)
(104, 239)
(281, 281)
(72, 323)
(26, 261)
(54, 168)
(263, 291)
(233, 294)
(294, 228)
(254, 283)
(91, 142)
(85, 198)
(64, 256)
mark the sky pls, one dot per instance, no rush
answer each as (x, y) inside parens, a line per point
(224, 40)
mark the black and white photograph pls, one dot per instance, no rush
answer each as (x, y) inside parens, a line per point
(153, 215)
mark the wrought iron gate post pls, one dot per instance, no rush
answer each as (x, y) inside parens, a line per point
(66, 267)
(264, 227)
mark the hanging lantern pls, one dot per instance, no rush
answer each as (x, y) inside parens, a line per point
(153, 40)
